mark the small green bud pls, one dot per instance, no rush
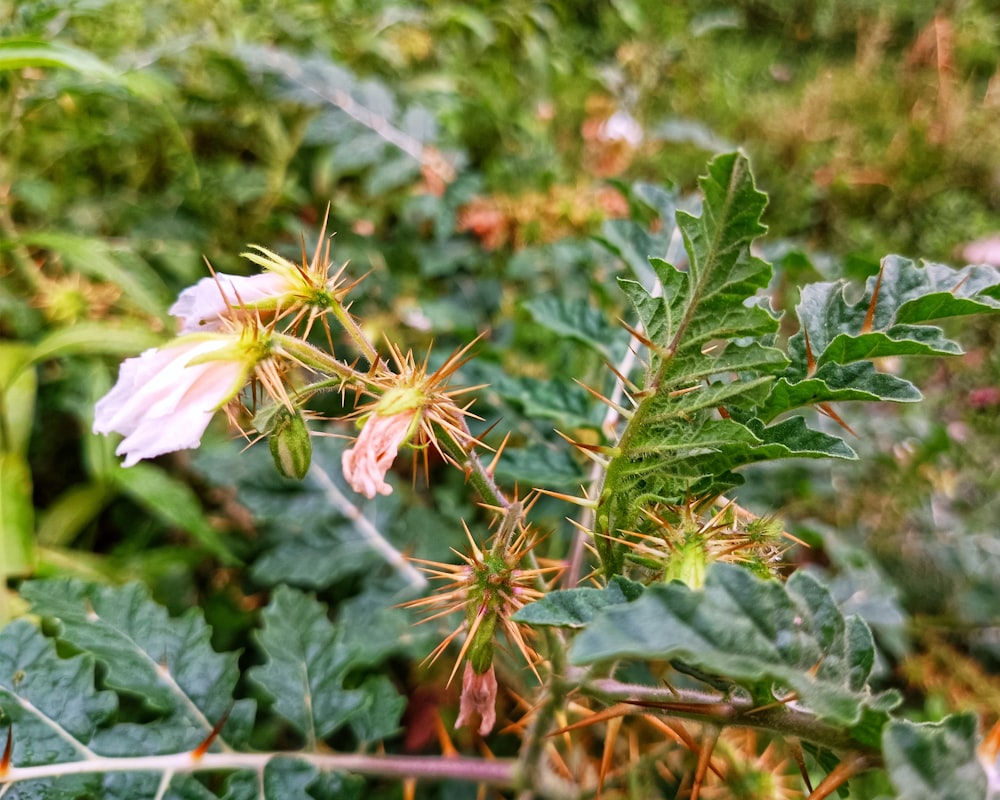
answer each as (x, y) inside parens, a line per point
(290, 445)
(688, 564)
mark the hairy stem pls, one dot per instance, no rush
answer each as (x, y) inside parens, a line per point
(727, 711)
(500, 773)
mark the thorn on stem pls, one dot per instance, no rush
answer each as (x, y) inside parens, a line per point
(202, 748)
(7, 751)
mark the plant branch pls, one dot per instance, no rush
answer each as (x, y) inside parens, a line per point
(371, 534)
(500, 773)
(707, 707)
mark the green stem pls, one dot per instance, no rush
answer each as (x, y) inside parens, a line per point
(316, 359)
(351, 327)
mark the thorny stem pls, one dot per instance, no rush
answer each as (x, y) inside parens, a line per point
(351, 327)
(316, 359)
(707, 707)
(501, 773)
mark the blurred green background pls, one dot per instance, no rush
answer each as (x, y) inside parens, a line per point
(470, 152)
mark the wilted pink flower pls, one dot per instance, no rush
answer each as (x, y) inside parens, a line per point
(165, 397)
(204, 306)
(479, 696)
(366, 464)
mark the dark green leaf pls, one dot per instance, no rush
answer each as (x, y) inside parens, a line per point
(756, 632)
(166, 661)
(305, 670)
(934, 760)
(51, 702)
(575, 608)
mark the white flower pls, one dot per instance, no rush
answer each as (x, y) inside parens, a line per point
(165, 397)
(204, 306)
(366, 464)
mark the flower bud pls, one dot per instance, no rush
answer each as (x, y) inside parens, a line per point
(290, 445)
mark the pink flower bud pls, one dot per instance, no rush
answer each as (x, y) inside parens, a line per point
(366, 464)
(479, 696)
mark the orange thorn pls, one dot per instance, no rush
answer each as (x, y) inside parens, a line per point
(641, 337)
(827, 409)
(444, 738)
(201, 749)
(7, 751)
(704, 759)
(796, 749)
(810, 360)
(840, 775)
(866, 326)
(610, 734)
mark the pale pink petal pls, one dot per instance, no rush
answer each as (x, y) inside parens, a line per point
(203, 306)
(366, 464)
(479, 696)
(163, 403)
(983, 251)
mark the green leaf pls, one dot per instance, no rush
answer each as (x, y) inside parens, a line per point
(173, 502)
(17, 516)
(21, 53)
(575, 608)
(50, 701)
(18, 390)
(577, 320)
(889, 319)
(96, 258)
(305, 669)
(759, 633)
(710, 355)
(166, 661)
(934, 760)
(96, 338)
(834, 383)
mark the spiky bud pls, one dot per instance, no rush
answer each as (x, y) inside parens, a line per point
(291, 447)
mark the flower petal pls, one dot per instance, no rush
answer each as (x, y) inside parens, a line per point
(202, 307)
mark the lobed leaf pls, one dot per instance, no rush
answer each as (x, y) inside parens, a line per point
(763, 634)
(934, 760)
(50, 701)
(167, 662)
(307, 664)
(575, 608)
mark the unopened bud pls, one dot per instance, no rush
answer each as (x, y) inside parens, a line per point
(290, 445)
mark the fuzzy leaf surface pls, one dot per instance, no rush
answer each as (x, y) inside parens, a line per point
(710, 349)
(934, 760)
(166, 661)
(51, 701)
(575, 608)
(758, 633)
(891, 316)
(307, 662)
